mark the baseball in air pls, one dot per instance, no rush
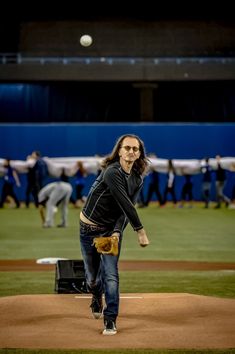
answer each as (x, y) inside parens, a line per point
(86, 40)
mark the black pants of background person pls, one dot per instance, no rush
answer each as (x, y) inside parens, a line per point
(34, 190)
(187, 192)
(140, 200)
(8, 190)
(233, 194)
(153, 188)
(79, 196)
(220, 196)
(171, 191)
(79, 188)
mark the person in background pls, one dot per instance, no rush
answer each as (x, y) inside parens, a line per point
(10, 180)
(140, 200)
(63, 176)
(232, 203)
(206, 181)
(31, 187)
(170, 185)
(187, 190)
(107, 211)
(219, 184)
(153, 187)
(35, 178)
(53, 195)
(80, 184)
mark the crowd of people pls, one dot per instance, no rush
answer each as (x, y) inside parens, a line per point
(186, 195)
(37, 178)
(47, 197)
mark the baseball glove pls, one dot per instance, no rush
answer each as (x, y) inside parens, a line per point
(107, 245)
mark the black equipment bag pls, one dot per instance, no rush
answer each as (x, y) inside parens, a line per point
(70, 277)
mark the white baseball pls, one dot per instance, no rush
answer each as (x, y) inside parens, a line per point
(86, 40)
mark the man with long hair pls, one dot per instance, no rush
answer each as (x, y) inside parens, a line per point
(107, 211)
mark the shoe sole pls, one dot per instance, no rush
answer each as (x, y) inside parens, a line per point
(109, 333)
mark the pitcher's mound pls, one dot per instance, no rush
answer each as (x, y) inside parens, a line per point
(145, 321)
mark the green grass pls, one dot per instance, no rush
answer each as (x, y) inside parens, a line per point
(176, 234)
(212, 283)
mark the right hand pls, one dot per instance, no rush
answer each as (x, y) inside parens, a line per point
(143, 238)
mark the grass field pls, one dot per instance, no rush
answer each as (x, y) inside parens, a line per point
(176, 234)
(211, 283)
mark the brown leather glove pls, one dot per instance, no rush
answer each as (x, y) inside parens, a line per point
(107, 245)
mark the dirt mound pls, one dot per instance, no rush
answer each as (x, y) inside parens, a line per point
(31, 265)
(145, 321)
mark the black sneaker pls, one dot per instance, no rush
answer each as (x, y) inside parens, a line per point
(109, 328)
(96, 307)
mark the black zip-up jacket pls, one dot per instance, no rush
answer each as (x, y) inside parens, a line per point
(112, 197)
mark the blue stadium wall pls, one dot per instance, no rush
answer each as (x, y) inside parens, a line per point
(169, 141)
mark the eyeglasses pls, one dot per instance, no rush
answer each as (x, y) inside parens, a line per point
(128, 148)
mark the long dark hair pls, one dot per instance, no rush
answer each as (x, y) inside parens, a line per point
(140, 165)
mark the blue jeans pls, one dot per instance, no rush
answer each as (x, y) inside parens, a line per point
(101, 270)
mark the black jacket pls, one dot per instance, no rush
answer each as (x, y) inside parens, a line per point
(112, 197)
